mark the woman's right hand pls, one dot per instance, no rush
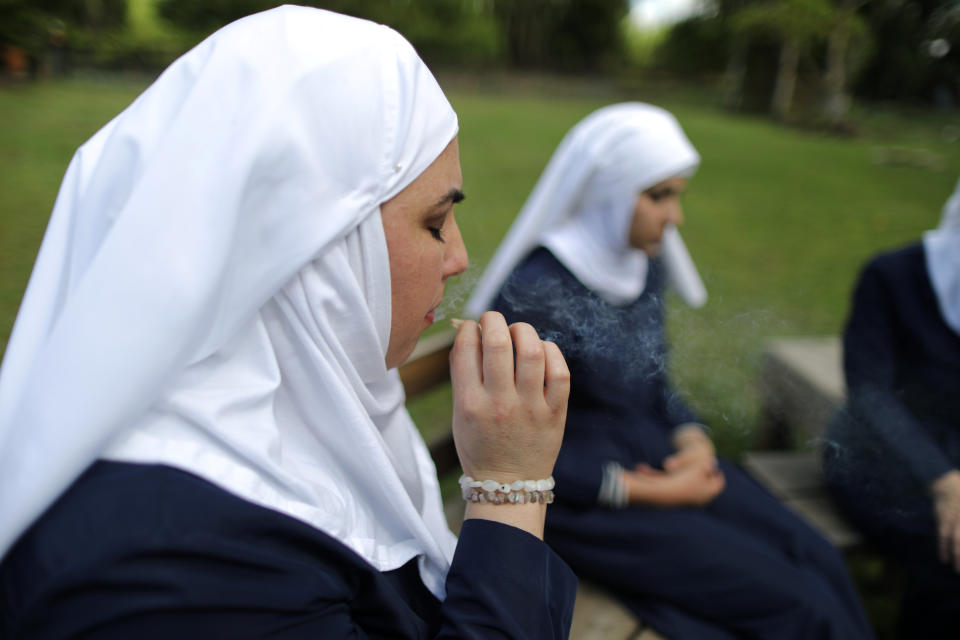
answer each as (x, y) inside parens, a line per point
(508, 418)
(689, 486)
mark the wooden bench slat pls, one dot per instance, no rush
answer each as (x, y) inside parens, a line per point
(786, 474)
(597, 616)
(801, 380)
(821, 513)
(797, 479)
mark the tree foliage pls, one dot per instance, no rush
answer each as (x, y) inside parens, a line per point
(542, 34)
(698, 45)
(36, 25)
(452, 31)
(906, 64)
(579, 35)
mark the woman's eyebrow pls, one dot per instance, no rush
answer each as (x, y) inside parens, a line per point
(450, 197)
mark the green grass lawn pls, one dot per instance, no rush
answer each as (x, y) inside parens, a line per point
(778, 219)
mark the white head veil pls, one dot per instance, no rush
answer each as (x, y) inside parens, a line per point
(213, 290)
(582, 206)
(942, 249)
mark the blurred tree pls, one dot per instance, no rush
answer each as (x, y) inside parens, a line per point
(847, 46)
(903, 50)
(39, 25)
(526, 26)
(209, 15)
(443, 31)
(696, 45)
(567, 35)
(22, 25)
(795, 24)
(918, 52)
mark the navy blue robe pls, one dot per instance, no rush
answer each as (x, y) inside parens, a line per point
(741, 567)
(148, 551)
(900, 430)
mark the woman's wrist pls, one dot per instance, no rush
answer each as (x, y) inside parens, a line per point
(530, 517)
(689, 432)
(946, 485)
(639, 489)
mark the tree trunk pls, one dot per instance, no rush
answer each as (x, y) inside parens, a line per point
(786, 79)
(735, 74)
(836, 103)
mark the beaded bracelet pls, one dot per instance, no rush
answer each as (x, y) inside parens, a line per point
(517, 492)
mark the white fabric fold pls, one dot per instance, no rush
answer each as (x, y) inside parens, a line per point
(582, 205)
(942, 251)
(213, 290)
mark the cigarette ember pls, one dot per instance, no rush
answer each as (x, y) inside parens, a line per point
(456, 322)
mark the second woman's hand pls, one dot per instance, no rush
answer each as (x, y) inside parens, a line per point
(946, 503)
(689, 486)
(508, 418)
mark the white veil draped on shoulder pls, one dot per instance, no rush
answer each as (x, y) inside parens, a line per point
(213, 289)
(582, 204)
(942, 251)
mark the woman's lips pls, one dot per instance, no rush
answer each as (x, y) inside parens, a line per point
(432, 314)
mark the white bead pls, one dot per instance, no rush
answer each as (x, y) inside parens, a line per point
(490, 485)
(530, 485)
(517, 485)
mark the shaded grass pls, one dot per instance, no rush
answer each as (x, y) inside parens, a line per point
(779, 220)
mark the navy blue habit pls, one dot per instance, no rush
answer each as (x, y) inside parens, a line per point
(900, 430)
(148, 551)
(741, 567)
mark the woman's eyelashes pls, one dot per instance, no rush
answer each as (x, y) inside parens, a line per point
(435, 226)
(659, 194)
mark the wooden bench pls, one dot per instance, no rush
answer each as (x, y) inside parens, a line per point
(596, 615)
(802, 387)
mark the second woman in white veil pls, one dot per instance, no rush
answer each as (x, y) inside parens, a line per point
(645, 507)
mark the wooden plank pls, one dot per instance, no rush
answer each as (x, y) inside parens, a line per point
(597, 616)
(786, 474)
(797, 479)
(801, 384)
(821, 513)
(817, 359)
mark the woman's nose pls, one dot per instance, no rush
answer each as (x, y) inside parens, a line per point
(455, 261)
(676, 215)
